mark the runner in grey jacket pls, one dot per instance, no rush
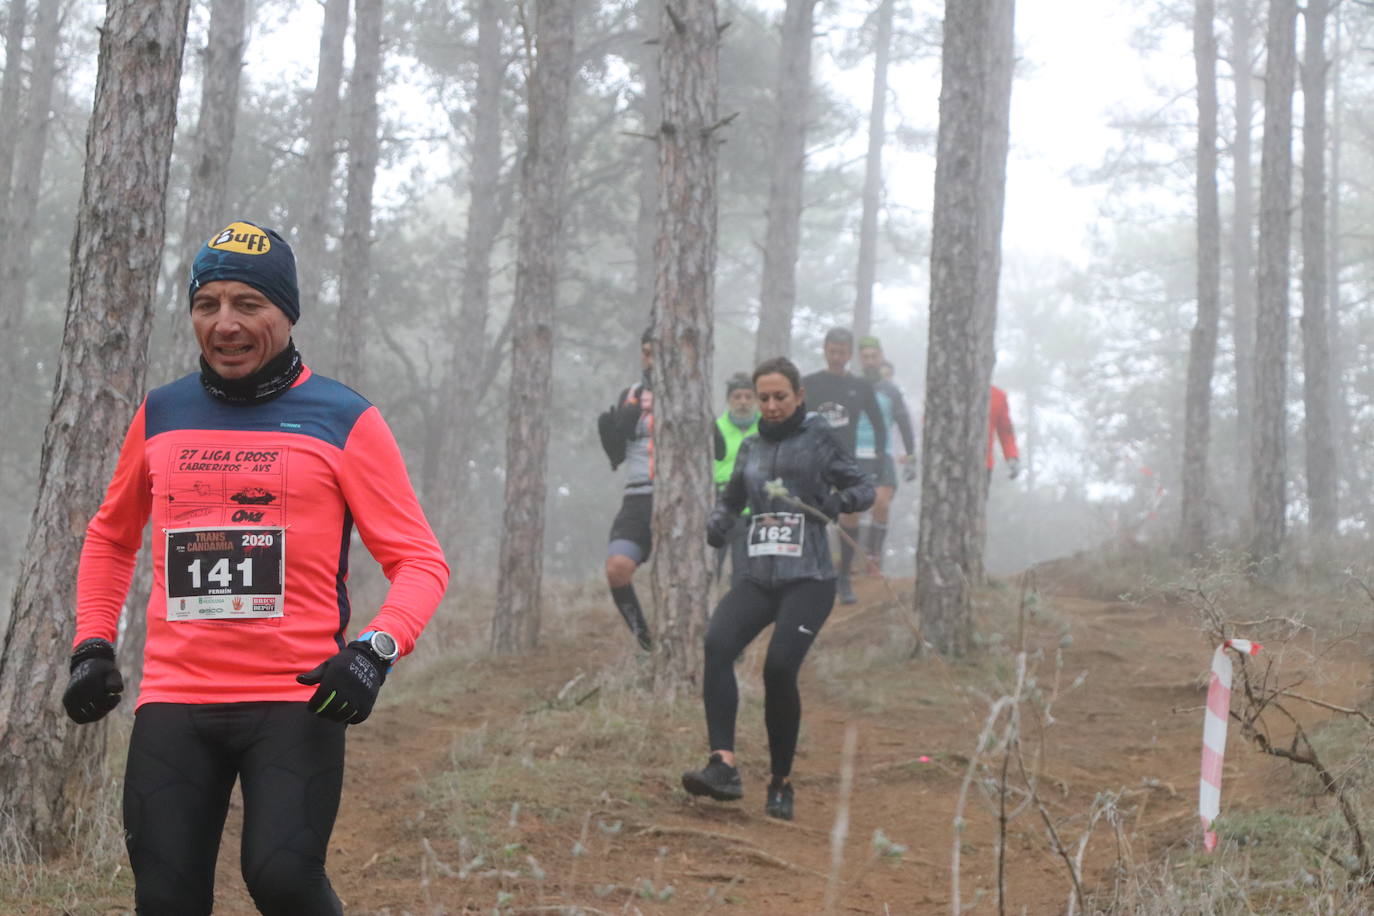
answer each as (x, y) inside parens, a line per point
(789, 581)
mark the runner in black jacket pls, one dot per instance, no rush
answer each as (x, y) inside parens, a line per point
(789, 580)
(840, 398)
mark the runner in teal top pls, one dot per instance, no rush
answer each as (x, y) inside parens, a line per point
(882, 466)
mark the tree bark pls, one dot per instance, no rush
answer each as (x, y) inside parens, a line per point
(314, 207)
(965, 263)
(873, 173)
(646, 221)
(16, 253)
(1267, 483)
(778, 297)
(1243, 239)
(45, 761)
(515, 624)
(363, 146)
(485, 216)
(1203, 348)
(222, 62)
(1316, 344)
(683, 335)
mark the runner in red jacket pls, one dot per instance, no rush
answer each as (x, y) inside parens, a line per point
(255, 472)
(1000, 428)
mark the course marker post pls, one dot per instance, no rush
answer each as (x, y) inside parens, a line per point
(1214, 735)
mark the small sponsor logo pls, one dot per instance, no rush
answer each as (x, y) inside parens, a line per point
(261, 603)
(237, 603)
(254, 496)
(806, 631)
(183, 604)
(214, 601)
(243, 515)
(288, 425)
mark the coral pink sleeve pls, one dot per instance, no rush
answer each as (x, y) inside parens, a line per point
(388, 515)
(112, 541)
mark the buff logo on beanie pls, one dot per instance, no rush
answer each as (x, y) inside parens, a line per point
(251, 254)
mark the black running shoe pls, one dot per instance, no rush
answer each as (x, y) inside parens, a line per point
(779, 802)
(845, 590)
(717, 779)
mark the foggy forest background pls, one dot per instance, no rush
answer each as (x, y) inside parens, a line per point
(1092, 350)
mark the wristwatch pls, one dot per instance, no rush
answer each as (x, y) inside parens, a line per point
(382, 645)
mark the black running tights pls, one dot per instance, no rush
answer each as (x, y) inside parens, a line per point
(183, 760)
(797, 610)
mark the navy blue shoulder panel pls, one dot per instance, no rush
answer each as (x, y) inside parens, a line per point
(318, 407)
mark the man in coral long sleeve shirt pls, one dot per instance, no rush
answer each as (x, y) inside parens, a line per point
(254, 472)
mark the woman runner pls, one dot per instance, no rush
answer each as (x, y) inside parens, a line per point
(794, 461)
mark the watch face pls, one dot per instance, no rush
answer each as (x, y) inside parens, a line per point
(384, 645)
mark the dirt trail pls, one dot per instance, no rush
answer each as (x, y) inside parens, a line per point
(1133, 726)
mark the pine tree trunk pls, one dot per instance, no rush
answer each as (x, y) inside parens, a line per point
(778, 297)
(1267, 483)
(1243, 240)
(515, 625)
(16, 253)
(873, 173)
(484, 219)
(1316, 344)
(222, 62)
(650, 12)
(356, 273)
(1203, 348)
(316, 198)
(965, 263)
(1349, 475)
(45, 761)
(9, 101)
(686, 257)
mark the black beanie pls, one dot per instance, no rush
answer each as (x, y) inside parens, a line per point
(254, 255)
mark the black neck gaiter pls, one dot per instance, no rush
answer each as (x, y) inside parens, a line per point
(267, 383)
(776, 432)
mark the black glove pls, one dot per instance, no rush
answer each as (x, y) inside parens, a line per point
(348, 684)
(718, 529)
(96, 684)
(832, 506)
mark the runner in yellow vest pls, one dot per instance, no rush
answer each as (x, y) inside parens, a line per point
(739, 421)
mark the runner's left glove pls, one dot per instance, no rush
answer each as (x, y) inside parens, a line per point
(96, 684)
(348, 684)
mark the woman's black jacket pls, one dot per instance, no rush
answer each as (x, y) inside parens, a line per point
(816, 469)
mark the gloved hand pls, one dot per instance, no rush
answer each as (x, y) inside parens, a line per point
(718, 529)
(908, 469)
(832, 506)
(348, 684)
(1013, 468)
(96, 685)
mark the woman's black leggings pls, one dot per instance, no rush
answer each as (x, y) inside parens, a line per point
(183, 760)
(797, 610)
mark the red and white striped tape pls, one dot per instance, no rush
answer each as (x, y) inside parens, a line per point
(1214, 735)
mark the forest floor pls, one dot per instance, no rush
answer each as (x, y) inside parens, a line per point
(549, 783)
